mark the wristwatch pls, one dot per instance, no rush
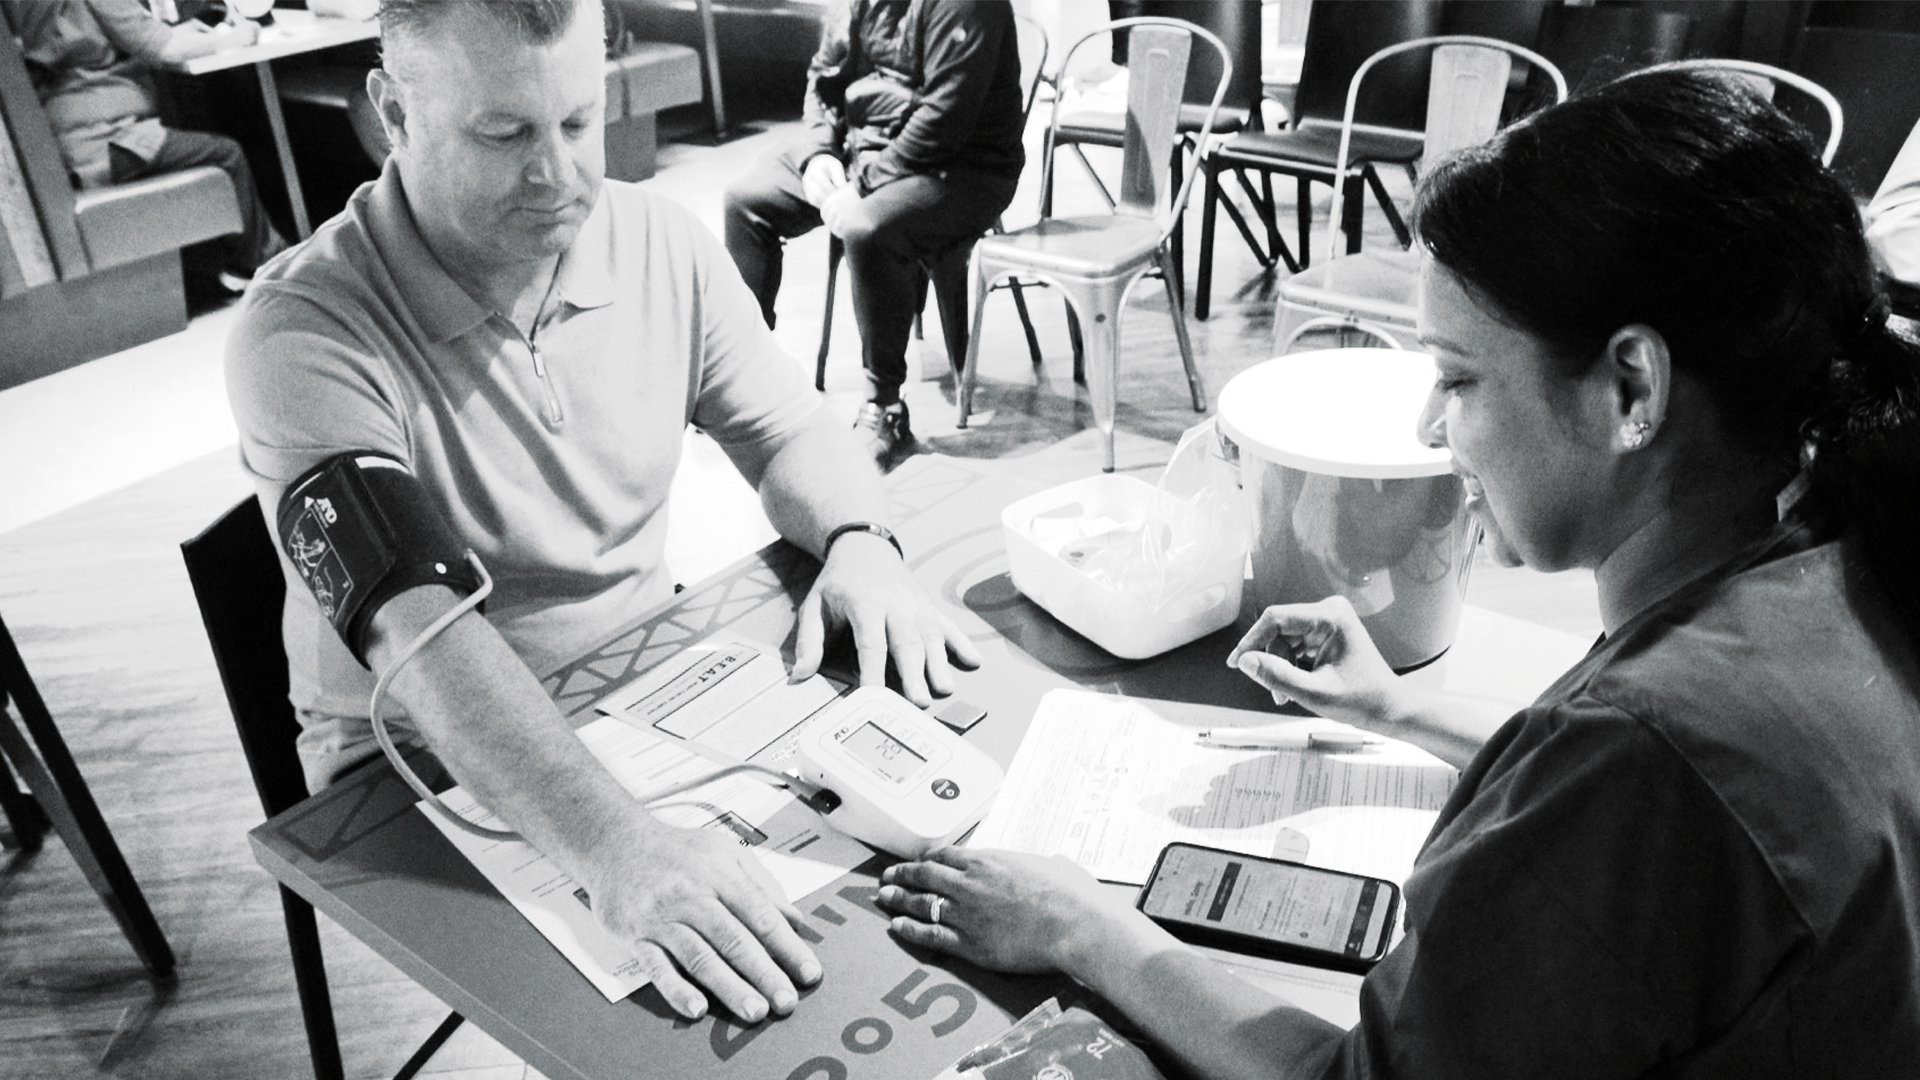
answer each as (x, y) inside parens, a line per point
(873, 527)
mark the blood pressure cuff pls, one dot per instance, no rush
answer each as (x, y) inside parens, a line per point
(361, 530)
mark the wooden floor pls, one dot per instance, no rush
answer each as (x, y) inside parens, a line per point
(98, 600)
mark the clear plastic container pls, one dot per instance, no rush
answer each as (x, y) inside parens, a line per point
(1096, 555)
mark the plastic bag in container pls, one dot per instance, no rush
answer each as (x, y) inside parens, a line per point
(1137, 569)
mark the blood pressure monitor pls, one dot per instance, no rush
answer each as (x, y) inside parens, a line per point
(906, 783)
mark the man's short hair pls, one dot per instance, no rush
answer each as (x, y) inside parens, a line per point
(536, 22)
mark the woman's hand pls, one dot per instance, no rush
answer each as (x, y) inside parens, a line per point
(1003, 910)
(1320, 656)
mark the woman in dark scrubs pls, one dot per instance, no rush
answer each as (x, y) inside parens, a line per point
(1662, 355)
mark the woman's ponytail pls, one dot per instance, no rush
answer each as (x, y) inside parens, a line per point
(1866, 461)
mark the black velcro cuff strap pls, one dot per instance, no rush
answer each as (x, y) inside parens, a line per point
(360, 529)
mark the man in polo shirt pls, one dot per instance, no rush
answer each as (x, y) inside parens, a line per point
(531, 343)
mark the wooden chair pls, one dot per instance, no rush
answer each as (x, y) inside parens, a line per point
(237, 580)
(1097, 260)
(57, 795)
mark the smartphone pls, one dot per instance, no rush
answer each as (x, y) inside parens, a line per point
(1271, 907)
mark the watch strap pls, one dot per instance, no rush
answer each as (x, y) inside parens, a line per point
(873, 527)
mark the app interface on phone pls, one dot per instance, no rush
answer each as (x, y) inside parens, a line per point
(1292, 904)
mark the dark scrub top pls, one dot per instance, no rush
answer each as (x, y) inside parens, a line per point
(1698, 854)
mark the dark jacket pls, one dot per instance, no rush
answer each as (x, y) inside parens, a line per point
(909, 87)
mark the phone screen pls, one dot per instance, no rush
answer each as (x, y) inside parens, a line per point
(1284, 903)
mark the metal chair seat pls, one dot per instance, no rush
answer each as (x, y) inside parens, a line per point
(1096, 261)
(1369, 286)
(1104, 127)
(1108, 245)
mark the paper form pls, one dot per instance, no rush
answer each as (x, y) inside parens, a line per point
(1108, 781)
(798, 848)
(731, 696)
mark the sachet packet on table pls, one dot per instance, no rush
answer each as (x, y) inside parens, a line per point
(1051, 1043)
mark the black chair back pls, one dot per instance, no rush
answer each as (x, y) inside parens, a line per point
(1594, 45)
(235, 570)
(1341, 34)
(236, 577)
(1236, 22)
(1876, 76)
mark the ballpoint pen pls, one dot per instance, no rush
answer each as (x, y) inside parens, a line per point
(1288, 737)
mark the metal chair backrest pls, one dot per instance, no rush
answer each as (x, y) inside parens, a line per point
(1464, 94)
(236, 578)
(1158, 51)
(1764, 78)
(1031, 38)
(1466, 86)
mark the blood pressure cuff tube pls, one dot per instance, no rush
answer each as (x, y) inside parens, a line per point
(360, 530)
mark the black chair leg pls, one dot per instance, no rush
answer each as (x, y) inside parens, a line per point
(1079, 346)
(433, 1044)
(1209, 205)
(26, 822)
(1351, 207)
(1177, 242)
(948, 275)
(1394, 219)
(63, 794)
(1026, 319)
(310, 981)
(835, 252)
(1303, 217)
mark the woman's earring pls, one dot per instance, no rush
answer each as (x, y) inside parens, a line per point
(1633, 434)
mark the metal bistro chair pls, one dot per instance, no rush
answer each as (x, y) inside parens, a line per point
(237, 580)
(1466, 89)
(1765, 79)
(1096, 260)
(946, 270)
(1237, 23)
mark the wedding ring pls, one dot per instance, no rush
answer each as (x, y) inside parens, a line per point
(933, 910)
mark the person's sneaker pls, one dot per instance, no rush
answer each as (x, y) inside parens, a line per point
(883, 430)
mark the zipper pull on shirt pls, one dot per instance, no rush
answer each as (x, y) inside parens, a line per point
(555, 418)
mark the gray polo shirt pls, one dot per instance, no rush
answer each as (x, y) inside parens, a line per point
(359, 340)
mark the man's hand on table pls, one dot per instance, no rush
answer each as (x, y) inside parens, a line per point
(694, 902)
(866, 587)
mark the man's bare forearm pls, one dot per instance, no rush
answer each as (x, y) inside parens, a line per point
(817, 480)
(500, 735)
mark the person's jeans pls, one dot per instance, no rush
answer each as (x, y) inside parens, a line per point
(894, 229)
(240, 253)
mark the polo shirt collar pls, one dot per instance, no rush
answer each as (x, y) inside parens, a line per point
(444, 309)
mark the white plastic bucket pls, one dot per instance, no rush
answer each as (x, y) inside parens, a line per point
(1344, 497)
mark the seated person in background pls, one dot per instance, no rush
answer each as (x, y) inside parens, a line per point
(1662, 354)
(912, 145)
(90, 62)
(529, 344)
(1893, 227)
